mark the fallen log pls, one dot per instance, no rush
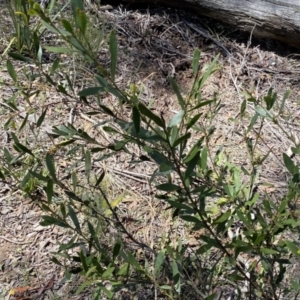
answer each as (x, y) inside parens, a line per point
(275, 19)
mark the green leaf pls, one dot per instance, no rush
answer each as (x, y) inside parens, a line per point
(48, 220)
(158, 262)
(55, 65)
(88, 164)
(59, 49)
(285, 96)
(19, 57)
(136, 119)
(243, 107)
(131, 259)
(209, 71)
(66, 24)
(178, 94)
(201, 104)
(194, 151)
(106, 110)
(182, 139)
(116, 249)
(23, 148)
(253, 121)
(289, 164)
(168, 187)
(204, 248)
(204, 158)
(50, 166)
(195, 62)
(101, 177)
(41, 118)
(292, 247)
(192, 122)
(83, 286)
(11, 70)
(148, 113)
(190, 219)
(224, 217)
(81, 20)
(166, 287)
(268, 251)
(190, 165)
(74, 218)
(176, 119)
(90, 91)
(49, 190)
(113, 49)
(270, 99)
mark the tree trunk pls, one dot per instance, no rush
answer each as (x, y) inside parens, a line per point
(276, 19)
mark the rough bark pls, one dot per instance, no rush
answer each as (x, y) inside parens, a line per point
(276, 19)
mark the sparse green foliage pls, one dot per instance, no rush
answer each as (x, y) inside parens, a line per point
(202, 187)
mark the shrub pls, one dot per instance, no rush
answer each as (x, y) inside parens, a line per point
(199, 184)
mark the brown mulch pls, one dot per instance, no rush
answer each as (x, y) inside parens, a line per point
(154, 45)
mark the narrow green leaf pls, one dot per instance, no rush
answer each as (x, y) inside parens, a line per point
(88, 164)
(158, 262)
(116, 249)
(48, 220)
(23, 149)
(166, 287)
(204, 248)
(289, 164)
(182, 139)
(84, 286)
(136, 119)
(51, 166)
(201, 104)
(74, 218)
(190, 219)
(11, 70)
(193, 121)
(224, 217)
(285, 96)
(209, 71)
(253, 121)
(101, 177)
(194, 151)
(176, 119)
(292, 247)
(243, 107)
(59, 49)
(41, 118)
(66, 24)
(131, 259)
(113, 48)
(148, 113)
(19, 57)
(268, 251)
(49, 190)
(168, 187)
(90, 91)
(82, 20)
(191, 164)
(204, 158)
(178, 94)
(106, 110)
(23, 123)
(195, 62)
